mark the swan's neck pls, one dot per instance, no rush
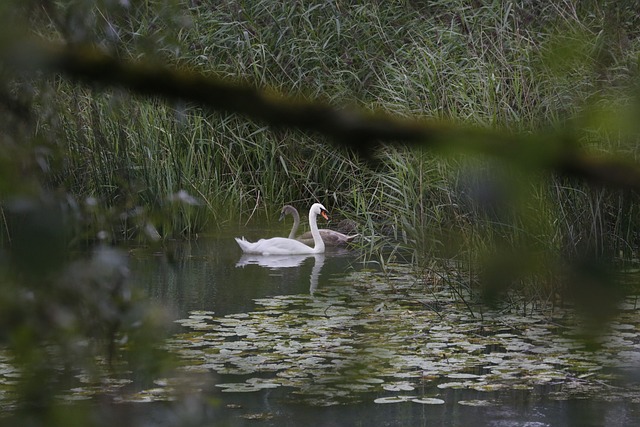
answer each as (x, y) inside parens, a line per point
(296, 224)
(317, 240)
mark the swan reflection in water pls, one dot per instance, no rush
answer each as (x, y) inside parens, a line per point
(277, 262)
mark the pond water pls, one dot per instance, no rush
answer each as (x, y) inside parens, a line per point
(212, 274)
(326, 340)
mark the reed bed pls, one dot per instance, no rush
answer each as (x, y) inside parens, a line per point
(520, 67)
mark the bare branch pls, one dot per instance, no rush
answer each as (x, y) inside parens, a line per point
(361, 131)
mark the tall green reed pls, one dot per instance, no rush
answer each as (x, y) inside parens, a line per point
(504, 65)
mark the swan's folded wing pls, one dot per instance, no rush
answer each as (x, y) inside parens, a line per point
(275, 246)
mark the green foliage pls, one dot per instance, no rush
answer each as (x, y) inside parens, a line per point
(520, 67)
(81, 164)
(68, 321)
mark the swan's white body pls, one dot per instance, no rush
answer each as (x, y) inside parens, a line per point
(329, 237)
(285, 246)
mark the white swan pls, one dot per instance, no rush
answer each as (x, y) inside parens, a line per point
(329, 237)
(284, 246)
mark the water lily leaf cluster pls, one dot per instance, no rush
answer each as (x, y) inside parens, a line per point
(401, 340)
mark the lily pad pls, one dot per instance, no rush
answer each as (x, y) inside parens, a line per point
(394, 399)
(398, 387)
(428, 401)
(476, 403)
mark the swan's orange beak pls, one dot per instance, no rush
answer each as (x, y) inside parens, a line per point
(324, 214)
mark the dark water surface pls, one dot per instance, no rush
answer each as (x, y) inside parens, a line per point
(518, 410)
(212, 275)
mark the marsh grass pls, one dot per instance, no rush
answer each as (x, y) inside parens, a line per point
(519, 67)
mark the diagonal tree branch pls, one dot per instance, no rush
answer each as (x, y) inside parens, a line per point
(363, 132)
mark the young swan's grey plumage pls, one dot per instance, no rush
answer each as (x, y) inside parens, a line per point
(329, 237)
